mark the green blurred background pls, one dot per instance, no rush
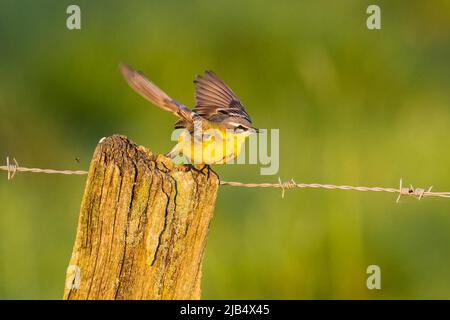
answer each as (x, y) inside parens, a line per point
(353, 106)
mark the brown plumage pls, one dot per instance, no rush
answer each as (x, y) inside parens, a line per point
(215, 101)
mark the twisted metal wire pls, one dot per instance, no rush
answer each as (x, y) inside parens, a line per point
(13, 167)
(418, 193)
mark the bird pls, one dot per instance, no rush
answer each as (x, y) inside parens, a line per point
(214, 131)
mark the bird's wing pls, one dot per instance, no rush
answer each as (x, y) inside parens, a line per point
(215, 101)
(155, 95)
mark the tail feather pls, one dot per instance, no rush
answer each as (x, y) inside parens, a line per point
(152, 93)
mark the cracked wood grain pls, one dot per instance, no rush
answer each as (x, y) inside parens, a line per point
(142, 227)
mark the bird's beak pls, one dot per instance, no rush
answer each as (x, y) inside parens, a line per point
(254, 130)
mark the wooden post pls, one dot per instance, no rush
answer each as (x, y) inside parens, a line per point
(142, 228)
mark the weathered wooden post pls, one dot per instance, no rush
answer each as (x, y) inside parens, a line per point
(142, 227)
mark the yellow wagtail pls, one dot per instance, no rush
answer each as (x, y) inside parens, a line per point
(214, 131)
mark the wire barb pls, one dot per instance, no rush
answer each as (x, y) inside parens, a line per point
(11, 168)
(286, 185)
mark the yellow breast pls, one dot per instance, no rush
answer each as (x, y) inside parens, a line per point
(215, 146)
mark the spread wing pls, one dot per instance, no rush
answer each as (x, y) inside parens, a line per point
(216, 102)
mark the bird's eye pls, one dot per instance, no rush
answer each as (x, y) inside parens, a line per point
(241, 128)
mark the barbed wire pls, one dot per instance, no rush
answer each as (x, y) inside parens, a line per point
(418, 193)
(13, 167)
